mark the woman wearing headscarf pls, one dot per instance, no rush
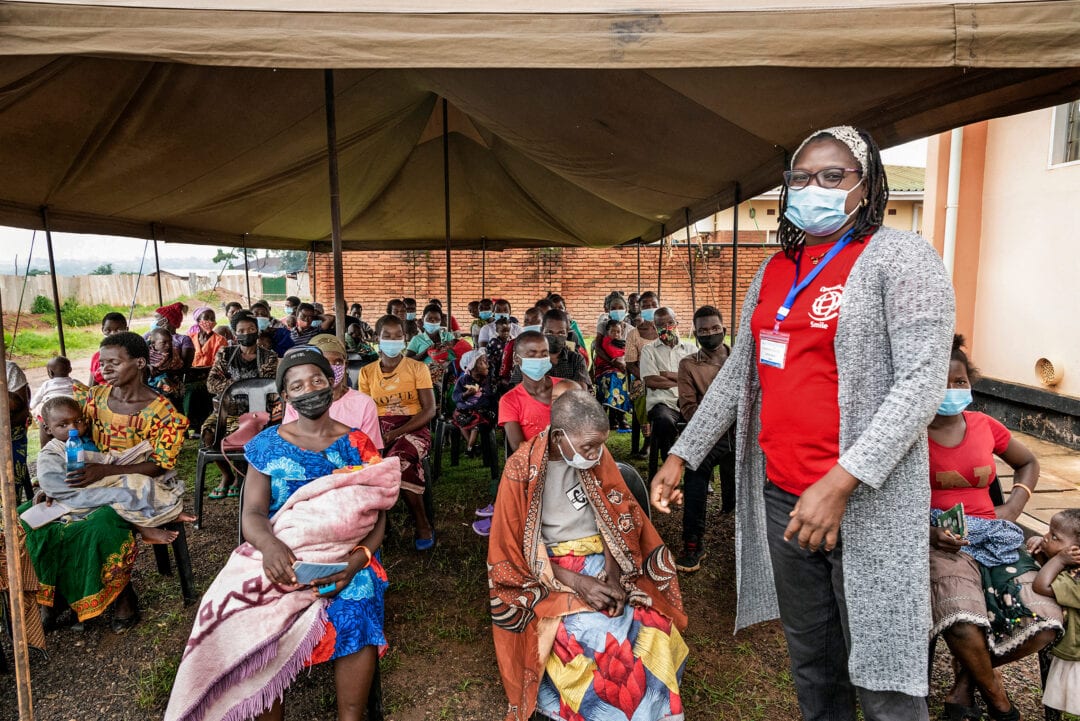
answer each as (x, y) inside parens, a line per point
(170, 317)
(840, 362)
(585, 604)
(475, 405)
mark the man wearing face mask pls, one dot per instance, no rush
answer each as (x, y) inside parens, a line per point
(571, 551)
(565, 363)
(696, 374)
(307, 324)
(501, 311)
(233, 363)
(348, 406)
(660, 374)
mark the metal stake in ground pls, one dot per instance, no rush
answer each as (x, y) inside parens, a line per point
(14, 561)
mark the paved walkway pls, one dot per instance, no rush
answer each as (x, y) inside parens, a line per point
(1059, 482)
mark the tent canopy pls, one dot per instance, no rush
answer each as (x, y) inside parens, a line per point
(203, 121)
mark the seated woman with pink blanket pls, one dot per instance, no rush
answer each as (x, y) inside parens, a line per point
(316, 491)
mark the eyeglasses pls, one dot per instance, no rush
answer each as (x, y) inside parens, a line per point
(827, 178)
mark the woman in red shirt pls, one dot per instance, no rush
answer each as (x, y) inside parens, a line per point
(962, 470)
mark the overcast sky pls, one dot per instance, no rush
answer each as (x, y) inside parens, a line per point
(70, 246)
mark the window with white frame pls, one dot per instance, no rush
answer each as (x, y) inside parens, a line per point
(1065, 141)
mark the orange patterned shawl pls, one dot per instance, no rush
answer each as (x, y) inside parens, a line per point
(525, 596)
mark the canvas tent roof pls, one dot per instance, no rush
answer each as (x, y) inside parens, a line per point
(204, 120)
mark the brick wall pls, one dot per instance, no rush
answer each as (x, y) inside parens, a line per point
(582, 276)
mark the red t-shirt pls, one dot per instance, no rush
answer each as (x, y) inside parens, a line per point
(963, 473)
(532, 415)
(95, 369)
(800, 411)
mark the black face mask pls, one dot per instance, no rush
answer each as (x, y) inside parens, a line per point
(313, 405)
(618, 343)
(247, 339)
(711, 342)
(556, 343)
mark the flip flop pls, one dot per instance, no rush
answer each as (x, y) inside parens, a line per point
(233, 492)
(218, 493)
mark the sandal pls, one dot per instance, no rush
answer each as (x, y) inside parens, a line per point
(218, 493)
(233, 492)
(960, 712)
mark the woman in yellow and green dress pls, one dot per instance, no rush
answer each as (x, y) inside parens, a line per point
(88, 561)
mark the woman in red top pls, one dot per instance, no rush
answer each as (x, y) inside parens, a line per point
(962, 470)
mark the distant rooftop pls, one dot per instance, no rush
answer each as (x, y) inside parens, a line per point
(906, 178)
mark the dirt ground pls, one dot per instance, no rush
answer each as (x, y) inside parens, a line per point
(441, 662)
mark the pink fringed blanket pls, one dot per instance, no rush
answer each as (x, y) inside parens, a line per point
(252, 637)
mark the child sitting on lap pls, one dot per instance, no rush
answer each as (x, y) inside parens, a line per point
(1059, 578)
(60, 383)
(144, 501)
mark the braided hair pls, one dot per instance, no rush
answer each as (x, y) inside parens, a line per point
(869, 216)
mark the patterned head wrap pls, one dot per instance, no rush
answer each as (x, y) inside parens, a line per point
(468, 360)
(847, 135)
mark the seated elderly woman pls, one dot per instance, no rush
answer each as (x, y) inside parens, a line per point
(402, 390)
(234, 363)
(88, 562)
(316, 491)
(585, 603)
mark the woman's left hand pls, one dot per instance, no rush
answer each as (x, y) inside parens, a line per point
(357, 561)
(90, 473)
(816, 518)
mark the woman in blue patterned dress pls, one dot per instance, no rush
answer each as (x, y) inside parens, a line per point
(283, 459)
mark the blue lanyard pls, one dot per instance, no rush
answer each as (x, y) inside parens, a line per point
(798, 287)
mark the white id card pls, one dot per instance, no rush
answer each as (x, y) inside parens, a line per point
(772, 348)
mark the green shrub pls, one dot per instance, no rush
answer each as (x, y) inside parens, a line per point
(42, 305)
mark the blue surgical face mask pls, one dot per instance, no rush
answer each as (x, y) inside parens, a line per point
(535, 328)
(263, 323)
(431, 327)
(956, 400)
(535, 368)
(410, 316)
(316, 323)
(818, 211)
(648, 313)
(501, 316)
(486, 315)
(289, 310)
(617, 314)
(391, 348)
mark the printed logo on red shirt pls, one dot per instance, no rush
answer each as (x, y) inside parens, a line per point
(826, 306)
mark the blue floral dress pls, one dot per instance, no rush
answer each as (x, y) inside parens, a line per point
(356, 614)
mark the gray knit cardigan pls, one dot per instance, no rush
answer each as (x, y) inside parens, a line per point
(893, 340)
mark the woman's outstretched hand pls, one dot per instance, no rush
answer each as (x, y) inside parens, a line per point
(816, 518)
(665, 490)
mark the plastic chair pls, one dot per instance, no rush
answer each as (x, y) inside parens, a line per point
(654, 449)
(637, 486)
(352, 369)
(258, 392)
(182, 557)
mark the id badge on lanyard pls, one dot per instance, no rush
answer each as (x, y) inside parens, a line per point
(773, 344)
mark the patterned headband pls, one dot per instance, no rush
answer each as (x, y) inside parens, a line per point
(847, 135)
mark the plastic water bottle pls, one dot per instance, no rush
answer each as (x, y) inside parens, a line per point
(74, 449)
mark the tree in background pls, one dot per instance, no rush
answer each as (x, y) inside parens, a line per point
(103, 269)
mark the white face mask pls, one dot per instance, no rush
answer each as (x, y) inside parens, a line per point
(579, 461)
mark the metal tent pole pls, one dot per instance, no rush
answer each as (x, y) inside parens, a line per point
(52, 276)
(446, 203)
(335, 206)
(483, 267)
(660, 261)
(639, 267)
(734, 261)
(690, 260)
(14, 561)
(247, 273)
(313, 259)
(157, 267)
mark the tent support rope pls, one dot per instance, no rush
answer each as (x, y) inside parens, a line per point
(22, 293)
(52, 276)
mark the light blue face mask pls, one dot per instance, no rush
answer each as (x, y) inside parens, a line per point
(289, 310)
(648, 313)
(486, 315)
(818, 211)
(410, 316)
(617, 314)
(431, 327)
(535, 368)
(534, 328)
(956, 400)
(316, 323)
(501, 316)
(391, 348)
(579, 461)
(263, 323)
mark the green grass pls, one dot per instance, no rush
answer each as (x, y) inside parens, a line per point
(154, 683)
(35, 345)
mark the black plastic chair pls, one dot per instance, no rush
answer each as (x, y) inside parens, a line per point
(183, 560)
(654, 449)
(259, 393)
(353, 366)
(375, 710)
(637, 486)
